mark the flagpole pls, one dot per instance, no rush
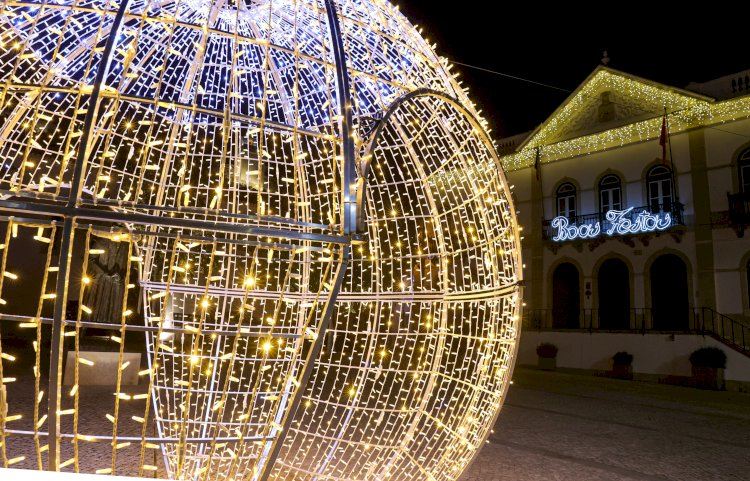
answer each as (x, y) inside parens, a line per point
(671, 161)
(669, 143)
(538, 173)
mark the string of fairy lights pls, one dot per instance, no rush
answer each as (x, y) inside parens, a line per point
(684, 112)
(207, 174)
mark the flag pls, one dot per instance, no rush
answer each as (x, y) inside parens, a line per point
(536, 165)
(664, 138)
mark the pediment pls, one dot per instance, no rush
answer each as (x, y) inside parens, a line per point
(610, 99)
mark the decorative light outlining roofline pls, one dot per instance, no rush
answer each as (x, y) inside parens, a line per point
(684, 112)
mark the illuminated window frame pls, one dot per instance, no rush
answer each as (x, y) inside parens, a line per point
(610, 186)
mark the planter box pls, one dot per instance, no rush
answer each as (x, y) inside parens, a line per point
(708, 378)
(621, 371)
(104, 370)
(547, 363)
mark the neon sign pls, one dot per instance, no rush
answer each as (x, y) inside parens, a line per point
(619, 222)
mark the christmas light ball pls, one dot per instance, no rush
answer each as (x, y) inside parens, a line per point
(327, 255)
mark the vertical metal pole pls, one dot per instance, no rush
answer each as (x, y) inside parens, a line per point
(312, 355)
(349, 212)
(66, 248)
(101, 75)
(56, 349)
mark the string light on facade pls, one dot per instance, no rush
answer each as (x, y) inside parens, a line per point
(685, 110)
(617, 222)
(292, 208)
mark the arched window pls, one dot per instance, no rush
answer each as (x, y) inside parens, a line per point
(743, 165)
(610, 193)
(566, 200)
(660, 189)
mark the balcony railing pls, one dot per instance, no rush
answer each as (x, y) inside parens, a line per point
(642, 320)
(639, 320)
(674, 209)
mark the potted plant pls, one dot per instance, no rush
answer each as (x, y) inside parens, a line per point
(708, 368)
(547, 353)
(622, 365)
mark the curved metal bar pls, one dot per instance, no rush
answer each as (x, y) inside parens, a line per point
(273, 448)
(93, 110)
(66, 248)
(349, 209)
(375, 137)
(480, 131)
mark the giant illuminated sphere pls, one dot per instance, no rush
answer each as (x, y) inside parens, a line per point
(327, 255)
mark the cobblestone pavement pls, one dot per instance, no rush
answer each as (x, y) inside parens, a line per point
(557, 426)
(95, 403)
(553, 426)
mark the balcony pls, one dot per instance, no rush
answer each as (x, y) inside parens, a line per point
(645, 320)
(630, 221)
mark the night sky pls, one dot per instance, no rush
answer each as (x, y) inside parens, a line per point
(651, 43)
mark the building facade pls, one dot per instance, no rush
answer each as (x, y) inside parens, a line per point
(634, 198)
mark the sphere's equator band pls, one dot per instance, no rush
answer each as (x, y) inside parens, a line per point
(150, 439)
(249, 219)
(146, 219)
(99, 228)
(410, 296)
(145, 328)
(218, 332)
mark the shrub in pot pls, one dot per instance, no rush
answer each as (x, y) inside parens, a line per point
(622, 365)
(547, 353)
(708, 365)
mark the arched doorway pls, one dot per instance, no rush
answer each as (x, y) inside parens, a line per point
(566, 297)
(669, 293)
(613, 285)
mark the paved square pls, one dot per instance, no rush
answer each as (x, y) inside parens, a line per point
(553, 426)
(557, 426)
